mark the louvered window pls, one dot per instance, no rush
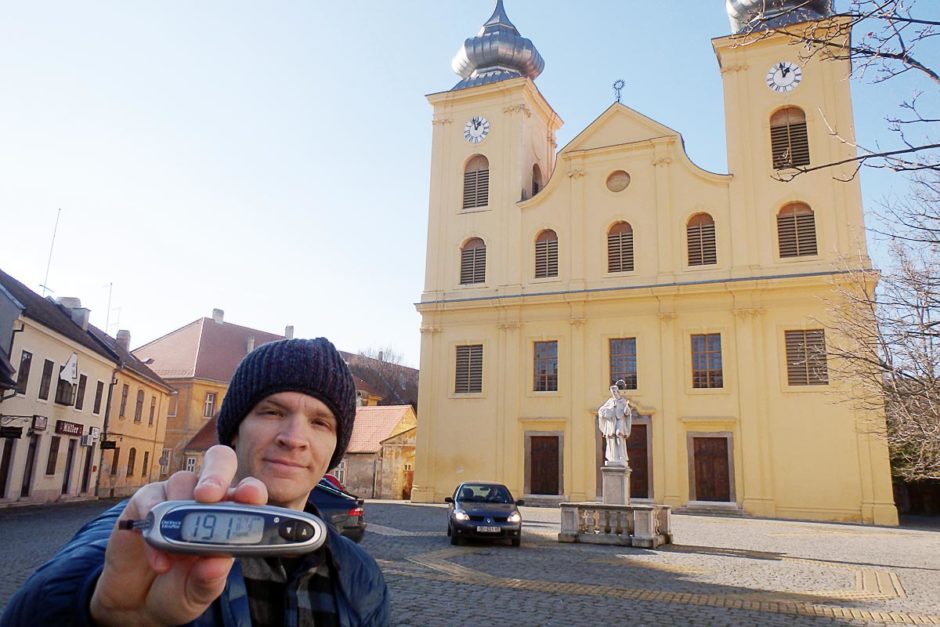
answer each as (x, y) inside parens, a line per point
(473, 262)
(706, 361)
(806, 357)
(701, 235)
(789, 143)
(620, 248)
(796, 230)
(546, 255)
(476, 183)
(469, 378)
(536, 179)
(623, 361)
(546, 367)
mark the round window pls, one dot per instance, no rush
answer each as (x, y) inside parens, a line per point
(618, 181)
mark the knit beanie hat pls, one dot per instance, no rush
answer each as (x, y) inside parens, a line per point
(312, 367)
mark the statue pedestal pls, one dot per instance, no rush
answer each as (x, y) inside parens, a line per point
(616, 484)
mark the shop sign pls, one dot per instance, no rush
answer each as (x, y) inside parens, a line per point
(39, 423)
(68, 428)
(11, 432)
(108, 444)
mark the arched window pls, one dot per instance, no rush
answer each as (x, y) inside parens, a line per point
(701, 235)
(536, 179)
(620, 248)
(796, 230)
(546, 255)
(131, 460)
(473, 262)
(789, 144)
(476, 183)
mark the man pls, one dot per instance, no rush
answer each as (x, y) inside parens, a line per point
(286, 419)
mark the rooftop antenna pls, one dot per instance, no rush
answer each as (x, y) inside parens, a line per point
(45, 281)
(618, 87)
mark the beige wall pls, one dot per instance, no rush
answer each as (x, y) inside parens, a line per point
(145, 436)
(190, 415)
(44, 486)
(796, 451)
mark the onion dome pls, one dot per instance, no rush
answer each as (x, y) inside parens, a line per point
(753, 15)
(497, 53)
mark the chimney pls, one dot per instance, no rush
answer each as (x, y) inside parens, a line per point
(289, 331)
(218, 315)
(251, 343)
(381, 356)
(124, 339)
(78, 313)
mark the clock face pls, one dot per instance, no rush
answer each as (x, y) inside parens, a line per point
(783, 77)
(476, 129)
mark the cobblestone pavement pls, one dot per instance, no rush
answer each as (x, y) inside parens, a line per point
(720, 571)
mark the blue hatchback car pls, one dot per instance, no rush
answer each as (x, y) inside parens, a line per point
(483, 511)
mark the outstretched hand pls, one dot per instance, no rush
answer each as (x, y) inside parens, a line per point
(143, 586)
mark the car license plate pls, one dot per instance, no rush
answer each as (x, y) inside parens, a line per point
(488, 529)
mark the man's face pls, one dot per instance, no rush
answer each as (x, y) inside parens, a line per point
(286, 441)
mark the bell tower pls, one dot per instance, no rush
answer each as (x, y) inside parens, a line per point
(493, 146)
(788, 107)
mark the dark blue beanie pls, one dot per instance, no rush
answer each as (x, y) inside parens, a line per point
(311, 367)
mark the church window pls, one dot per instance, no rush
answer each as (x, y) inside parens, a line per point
(623, 361)
(546, 255)
(620, 248)
(796, 230)
(546, 366)
(789, 143)
(469, 377)
(476, 183)
(701, 236)
(706, 361)
(473, 262)
(806, 357)
(536, 179)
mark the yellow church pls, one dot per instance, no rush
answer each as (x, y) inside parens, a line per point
(553, 273)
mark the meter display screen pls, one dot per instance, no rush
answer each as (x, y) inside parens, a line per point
(222, 528)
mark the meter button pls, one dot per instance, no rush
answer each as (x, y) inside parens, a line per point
(303, 532)
(287, 530)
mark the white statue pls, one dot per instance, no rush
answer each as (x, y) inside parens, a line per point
(615, 420)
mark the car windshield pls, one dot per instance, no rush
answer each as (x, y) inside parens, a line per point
(472, 493)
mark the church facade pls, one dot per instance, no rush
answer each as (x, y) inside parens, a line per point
(553, 273)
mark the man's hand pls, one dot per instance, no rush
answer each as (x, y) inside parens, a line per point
(142, 586)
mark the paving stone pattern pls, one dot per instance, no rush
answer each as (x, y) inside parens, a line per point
(721, 571)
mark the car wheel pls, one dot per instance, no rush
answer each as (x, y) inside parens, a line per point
(454, 539)
(516, 541)
(448, 531)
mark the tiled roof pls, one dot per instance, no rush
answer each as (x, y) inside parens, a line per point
(374, 424)
(204, 438)
(52, 316)
(128, 360)
(203, 349)
(394, 383)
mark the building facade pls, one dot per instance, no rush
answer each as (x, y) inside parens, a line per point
(705, 293)
(53, 418)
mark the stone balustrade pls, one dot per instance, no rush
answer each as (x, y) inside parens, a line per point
(645, 526)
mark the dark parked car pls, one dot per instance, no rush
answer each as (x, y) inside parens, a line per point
(484, 511)
(338, 507)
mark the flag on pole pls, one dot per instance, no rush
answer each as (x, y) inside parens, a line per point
(69, 372)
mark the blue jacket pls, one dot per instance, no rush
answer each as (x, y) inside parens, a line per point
(60, 591)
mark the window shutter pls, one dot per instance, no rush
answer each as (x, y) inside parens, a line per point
(473, 262)
(796, 230)
(620, 248)
(806, 357)
(789, 140)
(476, 183)
(546, 255)
(469, 370)
(701, 239)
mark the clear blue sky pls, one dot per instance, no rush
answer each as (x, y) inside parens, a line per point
(271, 159)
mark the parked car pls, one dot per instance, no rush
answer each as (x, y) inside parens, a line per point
(345, 511)
(483, 510)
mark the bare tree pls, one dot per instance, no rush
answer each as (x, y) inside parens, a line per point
(885, 40)
(887, 341)
(385, 354)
